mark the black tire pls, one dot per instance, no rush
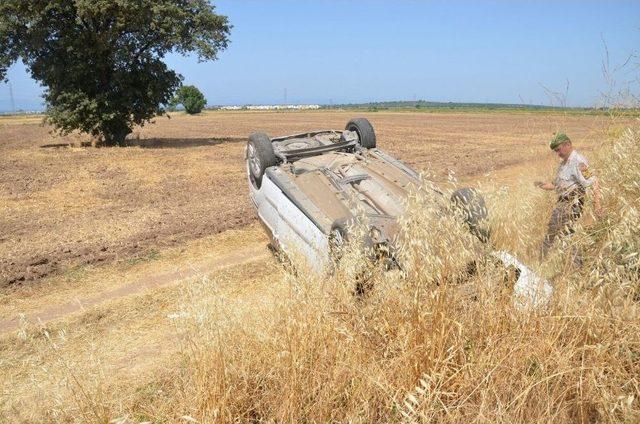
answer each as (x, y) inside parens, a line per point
(260, 156)
(364, 129)
(473, 210)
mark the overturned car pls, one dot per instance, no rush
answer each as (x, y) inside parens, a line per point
(307, 187)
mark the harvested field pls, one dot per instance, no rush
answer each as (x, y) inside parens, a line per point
(137, 288)
(63, 206)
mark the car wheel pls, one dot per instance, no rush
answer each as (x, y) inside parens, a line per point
(337, 240)
(260, 156)
(364, 129)
(473, 210)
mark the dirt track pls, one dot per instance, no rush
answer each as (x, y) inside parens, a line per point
(253, 251)
(64, 208)
(119, 319)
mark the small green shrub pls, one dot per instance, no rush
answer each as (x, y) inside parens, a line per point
(191, 98)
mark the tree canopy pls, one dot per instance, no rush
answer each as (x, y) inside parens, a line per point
(101, 61)
(191, 98)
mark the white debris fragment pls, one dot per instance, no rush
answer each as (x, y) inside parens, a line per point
(530, 290)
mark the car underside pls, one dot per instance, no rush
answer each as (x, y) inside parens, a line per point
(307, 188)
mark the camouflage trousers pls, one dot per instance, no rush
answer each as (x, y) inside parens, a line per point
(563, 217)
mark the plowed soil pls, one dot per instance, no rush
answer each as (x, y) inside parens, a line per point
(65, 206)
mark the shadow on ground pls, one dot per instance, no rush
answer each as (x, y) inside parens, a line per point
(56, 145)
(159, 143)
(180, 143)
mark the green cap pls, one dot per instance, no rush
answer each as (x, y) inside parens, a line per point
(557, 140)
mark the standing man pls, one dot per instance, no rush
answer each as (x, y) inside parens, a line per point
(572, 180)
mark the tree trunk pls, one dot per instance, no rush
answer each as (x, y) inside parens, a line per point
(114, 133)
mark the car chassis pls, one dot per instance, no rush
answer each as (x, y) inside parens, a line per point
(308, 187)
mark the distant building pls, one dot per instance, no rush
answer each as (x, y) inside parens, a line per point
(272, 107)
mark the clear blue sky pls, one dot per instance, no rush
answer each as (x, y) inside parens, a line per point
(357, 51)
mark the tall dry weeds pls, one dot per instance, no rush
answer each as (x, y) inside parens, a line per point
(432, 343)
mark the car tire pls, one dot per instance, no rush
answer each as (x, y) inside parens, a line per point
(364, 129)
(473, 210)
(260, 156)
(337, 239)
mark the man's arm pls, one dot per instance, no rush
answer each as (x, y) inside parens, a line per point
(587, 179)
(544, 186)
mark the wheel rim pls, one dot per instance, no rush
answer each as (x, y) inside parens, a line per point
(355, 130)
(254, 161)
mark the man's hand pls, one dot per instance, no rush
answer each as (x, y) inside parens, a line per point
(544, 186)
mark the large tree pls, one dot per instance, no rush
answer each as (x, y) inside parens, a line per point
(101, 61)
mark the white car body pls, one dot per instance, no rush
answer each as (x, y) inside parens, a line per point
(288, 227)
(320, 178)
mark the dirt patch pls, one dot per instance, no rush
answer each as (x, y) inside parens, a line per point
(183, 178)
(128, 340)
(61, 208)
(247, 253)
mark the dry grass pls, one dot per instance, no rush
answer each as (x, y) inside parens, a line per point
(120, 344)
(254, 343)
(86, 285)
(417, 348)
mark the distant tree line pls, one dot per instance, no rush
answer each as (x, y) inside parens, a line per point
(423, 104)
